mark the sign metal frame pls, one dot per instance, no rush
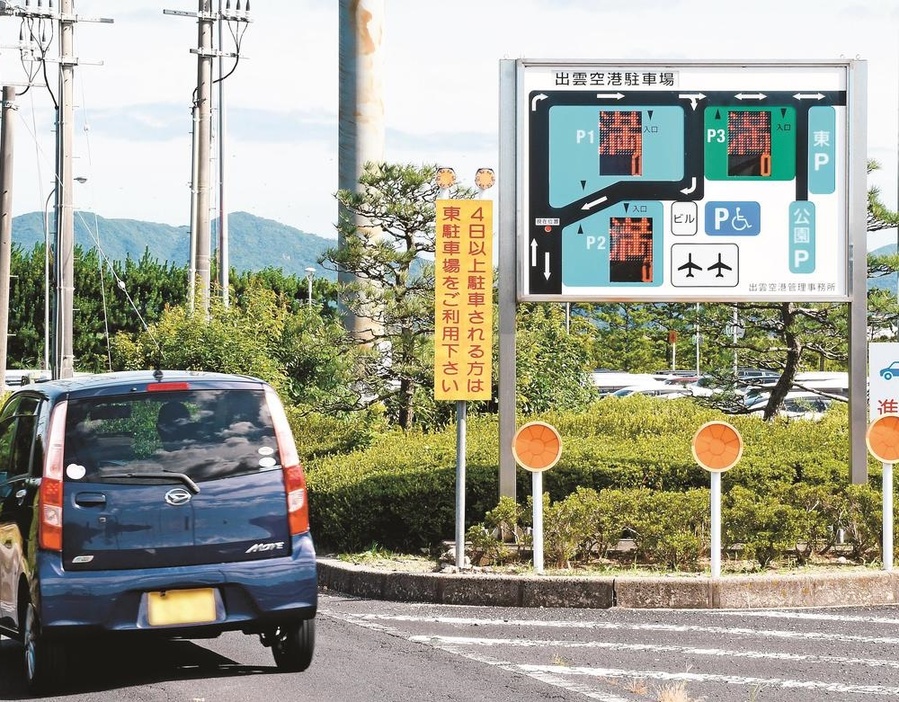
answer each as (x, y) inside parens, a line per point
(662, 180)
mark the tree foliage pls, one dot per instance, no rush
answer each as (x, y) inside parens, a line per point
(391, 259)
(275, 329)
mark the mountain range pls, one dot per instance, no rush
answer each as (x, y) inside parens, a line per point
(254, 242)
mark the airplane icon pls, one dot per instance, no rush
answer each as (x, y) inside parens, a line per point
(720, 266)
(689, 266)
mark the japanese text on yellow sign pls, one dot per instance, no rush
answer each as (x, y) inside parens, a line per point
(463, 300)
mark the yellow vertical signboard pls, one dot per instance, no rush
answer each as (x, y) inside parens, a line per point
(463, 328)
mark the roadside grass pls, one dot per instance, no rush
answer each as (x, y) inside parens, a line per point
(381, 558)
(676, 693)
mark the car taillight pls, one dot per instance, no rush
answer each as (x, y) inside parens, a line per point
(50, 499)
(294, 479)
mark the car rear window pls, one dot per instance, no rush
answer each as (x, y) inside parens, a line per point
(203, 434)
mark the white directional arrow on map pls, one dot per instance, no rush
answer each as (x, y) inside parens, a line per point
(593, 203)
(687, 191)
(546, 265)
(533, 253)
(693, 98)
(750, 96)
(809, 96)
(536, 101)
(612, 96)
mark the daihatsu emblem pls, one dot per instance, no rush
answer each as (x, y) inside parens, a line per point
(177, 496)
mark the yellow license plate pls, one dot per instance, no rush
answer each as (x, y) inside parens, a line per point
(181, 607)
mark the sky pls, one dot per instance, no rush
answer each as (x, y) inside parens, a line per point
(134, 83)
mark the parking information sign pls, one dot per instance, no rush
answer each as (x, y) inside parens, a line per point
(883, 379)
(699, 181)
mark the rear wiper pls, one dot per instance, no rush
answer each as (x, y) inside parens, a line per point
(164, 474)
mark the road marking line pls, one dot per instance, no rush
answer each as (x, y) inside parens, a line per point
(556, 643)
(781, 614)
(556, 675)
(544, 677)
(708, 678)
(675, 628)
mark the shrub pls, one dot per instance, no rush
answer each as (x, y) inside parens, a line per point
(763, 525)
(863, 521)
(670, 527)
(626, 468)
(562, 531)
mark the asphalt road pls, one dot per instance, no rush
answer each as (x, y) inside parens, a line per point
(377, 651)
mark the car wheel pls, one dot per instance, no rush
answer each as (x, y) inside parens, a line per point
(293, 645)
(887, 376)
(45, 661)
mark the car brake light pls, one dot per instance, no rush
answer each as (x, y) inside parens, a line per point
(167, 387)
(294, 479)
(50, 497)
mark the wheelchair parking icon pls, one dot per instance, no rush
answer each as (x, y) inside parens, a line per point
(741, 218)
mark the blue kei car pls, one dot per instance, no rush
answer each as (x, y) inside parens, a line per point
(164, 503)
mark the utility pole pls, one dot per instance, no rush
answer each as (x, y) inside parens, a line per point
(201, 178)
(200, 228)
(202, 135)
(62, 364)
(64, 357)
(224, 259)
(6, 164)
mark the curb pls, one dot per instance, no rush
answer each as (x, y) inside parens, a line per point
(603, 592)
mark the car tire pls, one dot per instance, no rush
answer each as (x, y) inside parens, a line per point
(887, 376)
(45, 661)
(293, 645)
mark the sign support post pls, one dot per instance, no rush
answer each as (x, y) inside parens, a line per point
(717, 447)
(461, 415)
(888, 516)
(716, 523)
(537, 447)
(882, 439)
(537, 533)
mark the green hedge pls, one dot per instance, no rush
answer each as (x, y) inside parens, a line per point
(398, 489)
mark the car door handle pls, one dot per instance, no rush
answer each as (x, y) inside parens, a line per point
(90, 499)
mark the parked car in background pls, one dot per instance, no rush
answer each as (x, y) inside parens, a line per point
(796, 405)
(661, 390)
(825, 384)
(756, 375)
(161, 504)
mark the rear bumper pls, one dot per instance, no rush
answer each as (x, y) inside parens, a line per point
(250, 596)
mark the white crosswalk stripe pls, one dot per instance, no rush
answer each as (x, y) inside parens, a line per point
(626, 656)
